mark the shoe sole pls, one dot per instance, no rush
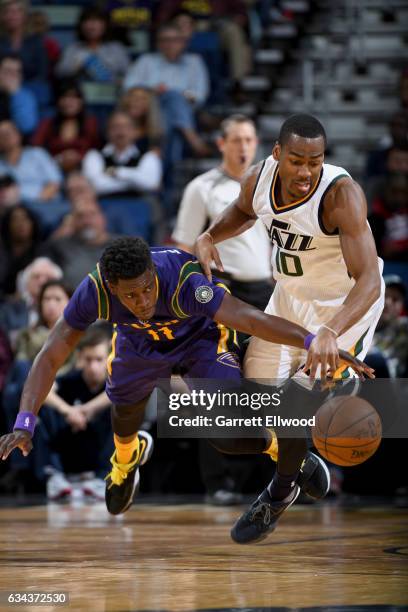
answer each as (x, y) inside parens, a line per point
(267, 533)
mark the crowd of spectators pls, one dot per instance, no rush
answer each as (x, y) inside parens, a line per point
(48, 119)
(386, 182)
(72, 176)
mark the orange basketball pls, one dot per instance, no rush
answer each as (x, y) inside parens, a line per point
(347, 430)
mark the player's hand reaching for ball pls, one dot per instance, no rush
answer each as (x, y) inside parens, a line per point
(325, 353)
(206, 253)
(361, 368)
(18, 439)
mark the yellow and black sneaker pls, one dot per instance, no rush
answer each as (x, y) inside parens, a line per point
(124, 479)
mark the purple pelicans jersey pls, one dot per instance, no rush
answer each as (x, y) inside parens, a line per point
(181, 333)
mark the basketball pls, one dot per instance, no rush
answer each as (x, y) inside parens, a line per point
(347, 430)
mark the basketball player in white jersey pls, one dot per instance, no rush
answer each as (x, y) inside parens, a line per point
(328, 278)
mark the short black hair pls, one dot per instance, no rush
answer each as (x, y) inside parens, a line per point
(305, 126)
(125, 258)
(92, 12)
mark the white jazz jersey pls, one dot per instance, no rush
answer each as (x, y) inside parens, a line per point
(311, 274)
(307, 260)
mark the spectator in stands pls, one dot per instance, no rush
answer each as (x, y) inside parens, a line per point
(207, 44)
(228, 17)
(143, 107)
(9, 193)
(78, 253)
(22, 310)
(52, 299)
(181, 82)
(398, 138)
(186, 24)
(389, 219)
(93, 57)
(170, 68)
(391, 335)
(77, 186)
(36, 173)
(121, 167)
(38, 23)
(20, 237)
(16, 102)
(77, 421)
(71, 132)
(14, 38)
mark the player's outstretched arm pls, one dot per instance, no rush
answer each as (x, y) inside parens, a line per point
(239, 315)
(58, 346)
(235, 219)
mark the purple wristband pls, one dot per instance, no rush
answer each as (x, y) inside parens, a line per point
(25, 421)
(308, 341)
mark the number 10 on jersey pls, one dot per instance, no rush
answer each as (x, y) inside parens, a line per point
(288, 264)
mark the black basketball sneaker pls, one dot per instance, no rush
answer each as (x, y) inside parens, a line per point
(123, 480)
(261, 518)
(314, 476)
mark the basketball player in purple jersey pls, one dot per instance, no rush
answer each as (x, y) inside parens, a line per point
(165, 312)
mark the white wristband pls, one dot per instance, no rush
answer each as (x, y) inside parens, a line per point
(330, 329)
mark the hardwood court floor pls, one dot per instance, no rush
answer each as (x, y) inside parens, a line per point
(181, 558)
